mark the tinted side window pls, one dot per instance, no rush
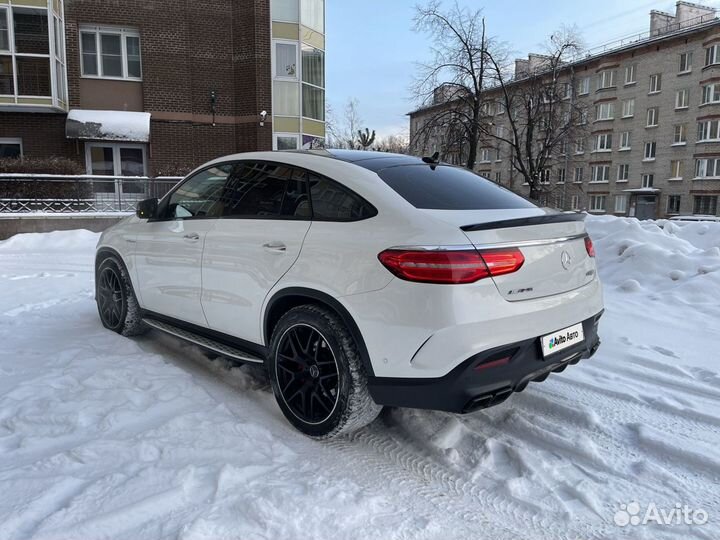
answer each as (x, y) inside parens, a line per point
(265, 191)
(449, 188)
(199, 195)
(333, 202)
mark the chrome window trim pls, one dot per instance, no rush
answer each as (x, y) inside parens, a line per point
(525, 243)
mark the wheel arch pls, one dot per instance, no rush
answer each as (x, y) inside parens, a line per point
(291, 297)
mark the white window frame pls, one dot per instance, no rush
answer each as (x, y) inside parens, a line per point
(295, 136)
(630, 74)
(6, 11)
(575, 202)
(707, 168)
(628, 108)
(712, 55)
(604, 111)
(580, 146)
(598, 203)
(655, 83)
(561, 174)
(667, 204)
(603, 142)
(544, 177)
(623, 173)
(686, 59)
(600, 174)
(621, 203)
(13, 140)
(578, 178)
(584, 86)
(708, 131)
(711, 93)
(124, 33)
(652, 119)
(606, 79)
(699, 198)
(647, 180)
(625, 141)
(650, 151)
(679, 135)
(484, 155)
(296, 45)
(682, 99)
(115, 145)
(498, 177)
(676, 169)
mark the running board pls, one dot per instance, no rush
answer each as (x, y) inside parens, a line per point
(205, 343)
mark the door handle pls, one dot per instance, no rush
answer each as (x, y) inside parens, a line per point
(192, 236)
(275, 247)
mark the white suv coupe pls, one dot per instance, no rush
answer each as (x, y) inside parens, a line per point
(359, 279)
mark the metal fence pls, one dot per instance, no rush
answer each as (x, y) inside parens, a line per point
(78, 194)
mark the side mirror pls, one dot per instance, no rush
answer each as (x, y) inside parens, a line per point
(147, 209)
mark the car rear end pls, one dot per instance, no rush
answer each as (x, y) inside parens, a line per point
(464, 325)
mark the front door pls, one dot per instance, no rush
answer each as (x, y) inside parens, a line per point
(168, 255)
(116, 160)
(266, 215)
(646, 207)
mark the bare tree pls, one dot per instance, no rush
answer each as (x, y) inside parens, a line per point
(454, 80)
(396, 143)
(544, 115)
(342, 132)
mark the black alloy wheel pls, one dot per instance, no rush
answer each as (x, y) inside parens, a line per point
(111, 299)
(307, 374)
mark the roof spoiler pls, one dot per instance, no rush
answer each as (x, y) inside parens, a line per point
(522, 222)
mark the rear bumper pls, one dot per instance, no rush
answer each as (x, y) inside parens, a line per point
(469, 387)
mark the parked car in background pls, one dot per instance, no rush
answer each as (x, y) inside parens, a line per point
(695, 218)
(359, 280)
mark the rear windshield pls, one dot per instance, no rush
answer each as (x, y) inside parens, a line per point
(449, 188)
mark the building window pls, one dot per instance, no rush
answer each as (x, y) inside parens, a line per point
(561, 176)
(115, 159)
(707, 168)
(708, 130)
(623, 172)
(313, 15)
(679, 134)
(676, 169)
(712, 55)
(621, 204)
(682, 99)
(685, 62)
(600, 173)
(628, 108)
(286, 60)
(580, 146)
(578, 175)
(705, 205)
(597, 203)
(648, 180)
(655, 83)
(313, 77)
(575, 202)
(110, 53)
(604, 111)
(603, 142)
(286, 98)
(498, 176)
(606, 79)
(4, 31)
(287, 141)
(544, 176)
(649, 154)
(484, 155)
(630, 74)
(625, 140)
(711, 93)
(285, 10)
(583, 86)
(652, 117)
(10, 148)
(673, 204)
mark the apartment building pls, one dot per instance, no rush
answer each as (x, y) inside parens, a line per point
(153, 87)
(651, 147)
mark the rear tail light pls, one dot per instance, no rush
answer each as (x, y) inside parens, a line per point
(451, 266)
(589, 247)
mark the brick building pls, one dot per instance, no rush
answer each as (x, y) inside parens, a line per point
(134, 87)
(652, 143)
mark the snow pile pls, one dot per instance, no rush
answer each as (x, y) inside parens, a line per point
(681, 262)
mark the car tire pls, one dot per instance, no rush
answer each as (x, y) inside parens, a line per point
(309, 345)
(117, 304)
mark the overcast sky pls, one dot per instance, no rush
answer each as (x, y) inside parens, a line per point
(371, 46)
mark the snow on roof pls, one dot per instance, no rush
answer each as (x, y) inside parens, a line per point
(108, 125)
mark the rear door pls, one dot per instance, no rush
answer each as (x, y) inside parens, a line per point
(169, 249)
(266, 214)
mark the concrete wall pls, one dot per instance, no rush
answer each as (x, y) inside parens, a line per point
(12, 225)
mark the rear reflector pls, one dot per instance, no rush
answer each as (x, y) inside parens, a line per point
(451, 266)
(589, 247)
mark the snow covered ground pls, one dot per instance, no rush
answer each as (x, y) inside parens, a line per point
(107, 437)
